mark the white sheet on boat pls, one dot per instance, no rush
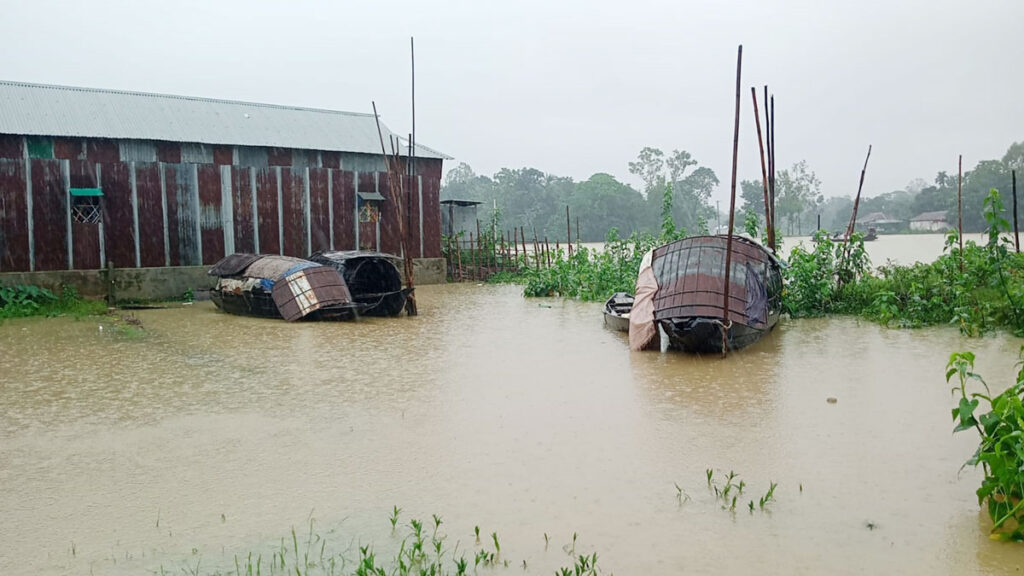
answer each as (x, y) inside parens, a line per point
(643, 332)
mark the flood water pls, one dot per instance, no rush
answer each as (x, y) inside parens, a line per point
(213, 435)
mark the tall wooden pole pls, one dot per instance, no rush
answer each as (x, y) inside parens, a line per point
(856, 200)
(772, 165)
(568, 231)
(769, 232)
(1016, 234)
(727, 324)
(960, 208)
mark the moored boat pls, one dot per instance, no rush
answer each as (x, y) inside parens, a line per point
(616, 311)
(273, 286)
(681, 289)
(372, 278)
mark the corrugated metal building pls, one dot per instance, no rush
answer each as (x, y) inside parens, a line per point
(91, 176)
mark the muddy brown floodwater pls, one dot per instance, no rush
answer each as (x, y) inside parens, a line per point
(214, 435)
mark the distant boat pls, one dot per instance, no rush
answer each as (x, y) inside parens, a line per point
(616, 311)
(274, 286)
(681, 288)
(838, 237)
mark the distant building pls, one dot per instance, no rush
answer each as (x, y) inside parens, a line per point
(458, 216)
(90, 177)
(879, 221)
(929, 222)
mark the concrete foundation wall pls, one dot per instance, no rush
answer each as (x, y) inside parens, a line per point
(166, 283)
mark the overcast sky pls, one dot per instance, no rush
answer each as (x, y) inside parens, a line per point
(574, 88)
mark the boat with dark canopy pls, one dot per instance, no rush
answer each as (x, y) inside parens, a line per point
(274, 286)
(681, 288)
(372, 278)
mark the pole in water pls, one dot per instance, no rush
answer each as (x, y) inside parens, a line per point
(1016, 234)
(726, 323)
(764, 173)
(960, 209)
(568, 230)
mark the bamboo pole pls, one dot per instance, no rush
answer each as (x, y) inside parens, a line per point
(522, 238)
(536, 253)
(547, 251)
(472, 258)
(515, 244)
(1016, 234)
(771, 173)
(856, 201)
(769, 232)
(568, 231)
(960, 209)
(578, 241)
(396, 197)
(727, 323)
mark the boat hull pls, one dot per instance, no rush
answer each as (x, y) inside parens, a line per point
(616, 322)
(692, 303)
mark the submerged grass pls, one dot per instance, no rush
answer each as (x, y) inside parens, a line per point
(418, 553)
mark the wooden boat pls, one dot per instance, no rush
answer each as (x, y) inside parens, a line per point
(372, 278)
(273, 286)
(688, 296)
(616, 311)
(838, 237)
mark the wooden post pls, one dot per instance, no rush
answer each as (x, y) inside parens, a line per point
(547, 250)
(472, 257)
(522, 237)
(726, 322)
(578, 232)
(960, 209)
(536, 251)
(568, 230)
(819, 222)
(458, 252)
(111, 286)
(856, 201)
(771, 166)
(769, 229)
(515, 243)
(1016, 234)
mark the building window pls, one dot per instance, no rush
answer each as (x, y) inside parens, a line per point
(85, 205)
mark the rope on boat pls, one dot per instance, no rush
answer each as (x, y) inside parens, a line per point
(724, 328)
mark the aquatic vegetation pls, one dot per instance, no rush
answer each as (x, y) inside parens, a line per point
(23, 301)
(978, 289)
(728, 495)
(313, 555)
(1001, 442)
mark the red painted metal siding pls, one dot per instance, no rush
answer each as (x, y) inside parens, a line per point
(49, 215)
(279, 156)
(293, 212)
(432, 217)
(330, 160)
(168, 152)
(173, 189)
(102, 151)
(13, 219)
(390, 233)
(11, 147)
(118, 225)
(151, 214)
(266, 206)
(344, 210)
(241, 199)
(319, 213)
(68, 149)
(223, 155)
(210, 201)
(85, 238)
(412, 231)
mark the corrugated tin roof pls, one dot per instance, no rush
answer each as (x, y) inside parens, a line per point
(937, 216)
(48, 110)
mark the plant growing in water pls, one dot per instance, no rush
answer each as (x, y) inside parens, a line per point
(1001, 442)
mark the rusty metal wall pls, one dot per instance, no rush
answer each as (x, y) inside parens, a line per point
(170, 212)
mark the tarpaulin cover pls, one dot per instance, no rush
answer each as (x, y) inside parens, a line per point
(643, 332)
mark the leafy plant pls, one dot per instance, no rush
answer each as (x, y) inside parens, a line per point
(1001, 442)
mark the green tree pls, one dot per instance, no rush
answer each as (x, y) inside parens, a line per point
(752, 197)
(603, 203)
(796, 189)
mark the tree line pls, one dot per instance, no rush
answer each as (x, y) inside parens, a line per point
(536, 201)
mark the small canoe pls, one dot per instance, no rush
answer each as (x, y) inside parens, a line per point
(616, 311)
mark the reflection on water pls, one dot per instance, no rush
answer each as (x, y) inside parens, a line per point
(521, 416)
